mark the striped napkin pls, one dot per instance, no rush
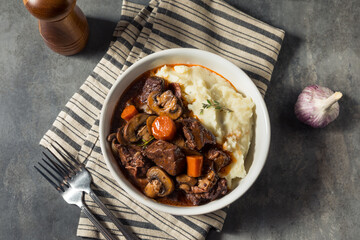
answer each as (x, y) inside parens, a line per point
(214, 26)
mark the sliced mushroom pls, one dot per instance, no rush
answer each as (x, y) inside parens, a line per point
(153, 188)
(185, 187)
(144, 133)
(183, 178)
(149, 122)
(160, 184)
(131, 129)
(165, 104)
(145, 108)
(120, 136)
(112, 138)
(186, 182)
(114, 148)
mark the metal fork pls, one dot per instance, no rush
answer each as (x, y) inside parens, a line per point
(71, 180)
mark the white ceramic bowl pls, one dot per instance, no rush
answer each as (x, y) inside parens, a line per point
(260, 144)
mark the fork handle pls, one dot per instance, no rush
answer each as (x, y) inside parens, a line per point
(126, 232)
(97, 224)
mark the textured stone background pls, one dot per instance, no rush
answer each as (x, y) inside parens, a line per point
(309, 188)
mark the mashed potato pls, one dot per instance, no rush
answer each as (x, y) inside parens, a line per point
(233, 130)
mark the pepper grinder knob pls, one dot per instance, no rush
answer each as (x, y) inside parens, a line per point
(62, 24)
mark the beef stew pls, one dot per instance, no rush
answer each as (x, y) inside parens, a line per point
(159, 144)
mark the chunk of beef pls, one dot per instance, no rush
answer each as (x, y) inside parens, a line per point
(176, 89)
(219, 190)
(132, 160)
(205, 183)
(208, 165)
(180, 142)
(167, 156)
(196, 134)
(220, 158)
(151, 84)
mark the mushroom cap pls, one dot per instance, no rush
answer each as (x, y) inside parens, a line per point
(112, 138)
(132, 126)
(119, 135)
(153, 188)
(114, 147)
(185, 179)
(149, 122)
(160, 184)
(145, 134)
(165, 103)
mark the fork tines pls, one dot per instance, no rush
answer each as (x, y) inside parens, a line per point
(57, 173)
(67, 156)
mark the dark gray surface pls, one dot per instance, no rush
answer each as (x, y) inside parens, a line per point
(309, 188)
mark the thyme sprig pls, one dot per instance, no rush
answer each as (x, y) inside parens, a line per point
(145, 143)
(215, 104)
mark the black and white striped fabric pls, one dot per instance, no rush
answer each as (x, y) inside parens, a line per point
(214, 26)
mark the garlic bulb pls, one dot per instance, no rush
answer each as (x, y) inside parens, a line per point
(317, 106)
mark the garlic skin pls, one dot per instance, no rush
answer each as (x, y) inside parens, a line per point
(317, 106)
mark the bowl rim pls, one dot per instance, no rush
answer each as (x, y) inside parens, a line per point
(213, 205)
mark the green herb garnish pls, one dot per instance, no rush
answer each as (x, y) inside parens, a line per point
(145, 143)
(215, 104)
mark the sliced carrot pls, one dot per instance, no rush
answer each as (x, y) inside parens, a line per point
(163, 128)
(194, 165)
(128, 112)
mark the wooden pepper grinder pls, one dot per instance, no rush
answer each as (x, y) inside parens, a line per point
(62, 24)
